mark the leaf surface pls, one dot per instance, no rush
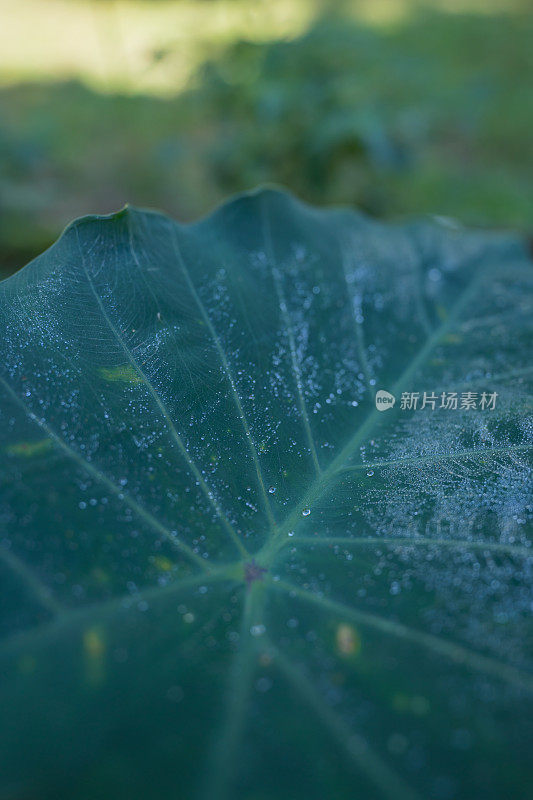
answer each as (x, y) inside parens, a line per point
(225, 573)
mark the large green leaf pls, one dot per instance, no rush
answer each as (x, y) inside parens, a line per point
(225, 573)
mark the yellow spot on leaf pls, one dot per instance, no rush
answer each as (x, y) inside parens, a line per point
(94, 655)
(93, 643)
(124, 373)
(162, 563)
(29, 449)
(453, 338)
(347, 640)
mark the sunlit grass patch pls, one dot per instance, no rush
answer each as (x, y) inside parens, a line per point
(131, 45)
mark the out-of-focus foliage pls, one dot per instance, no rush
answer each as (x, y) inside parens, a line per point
(429, 113)
(424, 118)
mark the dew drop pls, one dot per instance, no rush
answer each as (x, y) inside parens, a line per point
(370, 473)
(271, 489)
(306, 512)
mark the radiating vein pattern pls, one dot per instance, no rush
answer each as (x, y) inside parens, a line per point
(166, 416)
(225, 573)
(357, 748)
(287, 324)
(101, 478)
(451, 650)
(228, 372)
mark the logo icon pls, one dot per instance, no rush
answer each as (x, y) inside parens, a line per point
(384, 400)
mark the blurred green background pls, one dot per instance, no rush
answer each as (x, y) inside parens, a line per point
(395, 106)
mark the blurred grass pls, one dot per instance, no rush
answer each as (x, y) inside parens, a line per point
(396, 107)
